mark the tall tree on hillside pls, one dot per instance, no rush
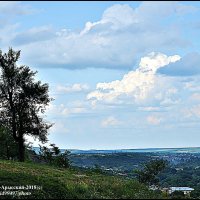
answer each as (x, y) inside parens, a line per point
(23, 100)
(150, 171)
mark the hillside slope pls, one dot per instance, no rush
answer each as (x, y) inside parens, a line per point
(66, 183)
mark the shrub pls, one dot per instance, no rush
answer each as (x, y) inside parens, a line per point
(54, 156)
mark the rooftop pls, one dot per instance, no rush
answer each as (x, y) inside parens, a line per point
(181, 189)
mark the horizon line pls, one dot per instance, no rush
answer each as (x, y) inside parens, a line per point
(129, 148)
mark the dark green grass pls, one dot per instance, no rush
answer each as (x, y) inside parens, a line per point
(69, 183)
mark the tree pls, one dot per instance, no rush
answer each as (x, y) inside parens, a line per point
(23, 100)
(178, 195)
(54, 156)
(148, 173)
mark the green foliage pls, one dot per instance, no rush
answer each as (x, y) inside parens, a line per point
(178, 195)
(22, 100)
(8, 146)
(124, 162)
(195, 194)
(149, 172)
(183, 174)
(53, 156)
(97, 169)
(58, 183)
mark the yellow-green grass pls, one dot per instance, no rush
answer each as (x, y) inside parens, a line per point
(69, 183)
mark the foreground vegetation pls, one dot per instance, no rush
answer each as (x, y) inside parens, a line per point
(69, 183)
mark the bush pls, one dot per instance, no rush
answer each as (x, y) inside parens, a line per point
(54, 156)
(178, 195)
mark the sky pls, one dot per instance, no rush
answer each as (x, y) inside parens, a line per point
(122, 74)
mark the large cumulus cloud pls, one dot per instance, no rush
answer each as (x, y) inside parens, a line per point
(137, 84)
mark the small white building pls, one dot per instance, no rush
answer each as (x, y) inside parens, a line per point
(185, 190)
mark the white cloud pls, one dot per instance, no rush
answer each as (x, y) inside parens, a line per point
(195, 97)
(168, 101)
(154, 120)
(7, 33)
(136, 84)
(112, 42)
(14, 8)
(76, 87)
(193, 111)
(35, 34)
(110, 121)
(149, 108)
(8, 25)
(62, 110)
(192, 86)
(68, 111)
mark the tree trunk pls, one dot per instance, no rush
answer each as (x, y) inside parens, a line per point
(21, 150)
(7, 151)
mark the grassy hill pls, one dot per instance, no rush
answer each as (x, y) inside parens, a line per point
(68, 183)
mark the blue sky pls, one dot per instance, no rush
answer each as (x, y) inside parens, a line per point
(123, 74)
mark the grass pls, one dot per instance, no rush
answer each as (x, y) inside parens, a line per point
(69, 183)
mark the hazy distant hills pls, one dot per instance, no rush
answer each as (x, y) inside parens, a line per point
(148, 150)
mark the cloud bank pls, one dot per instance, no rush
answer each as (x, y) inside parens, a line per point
(112, 42)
